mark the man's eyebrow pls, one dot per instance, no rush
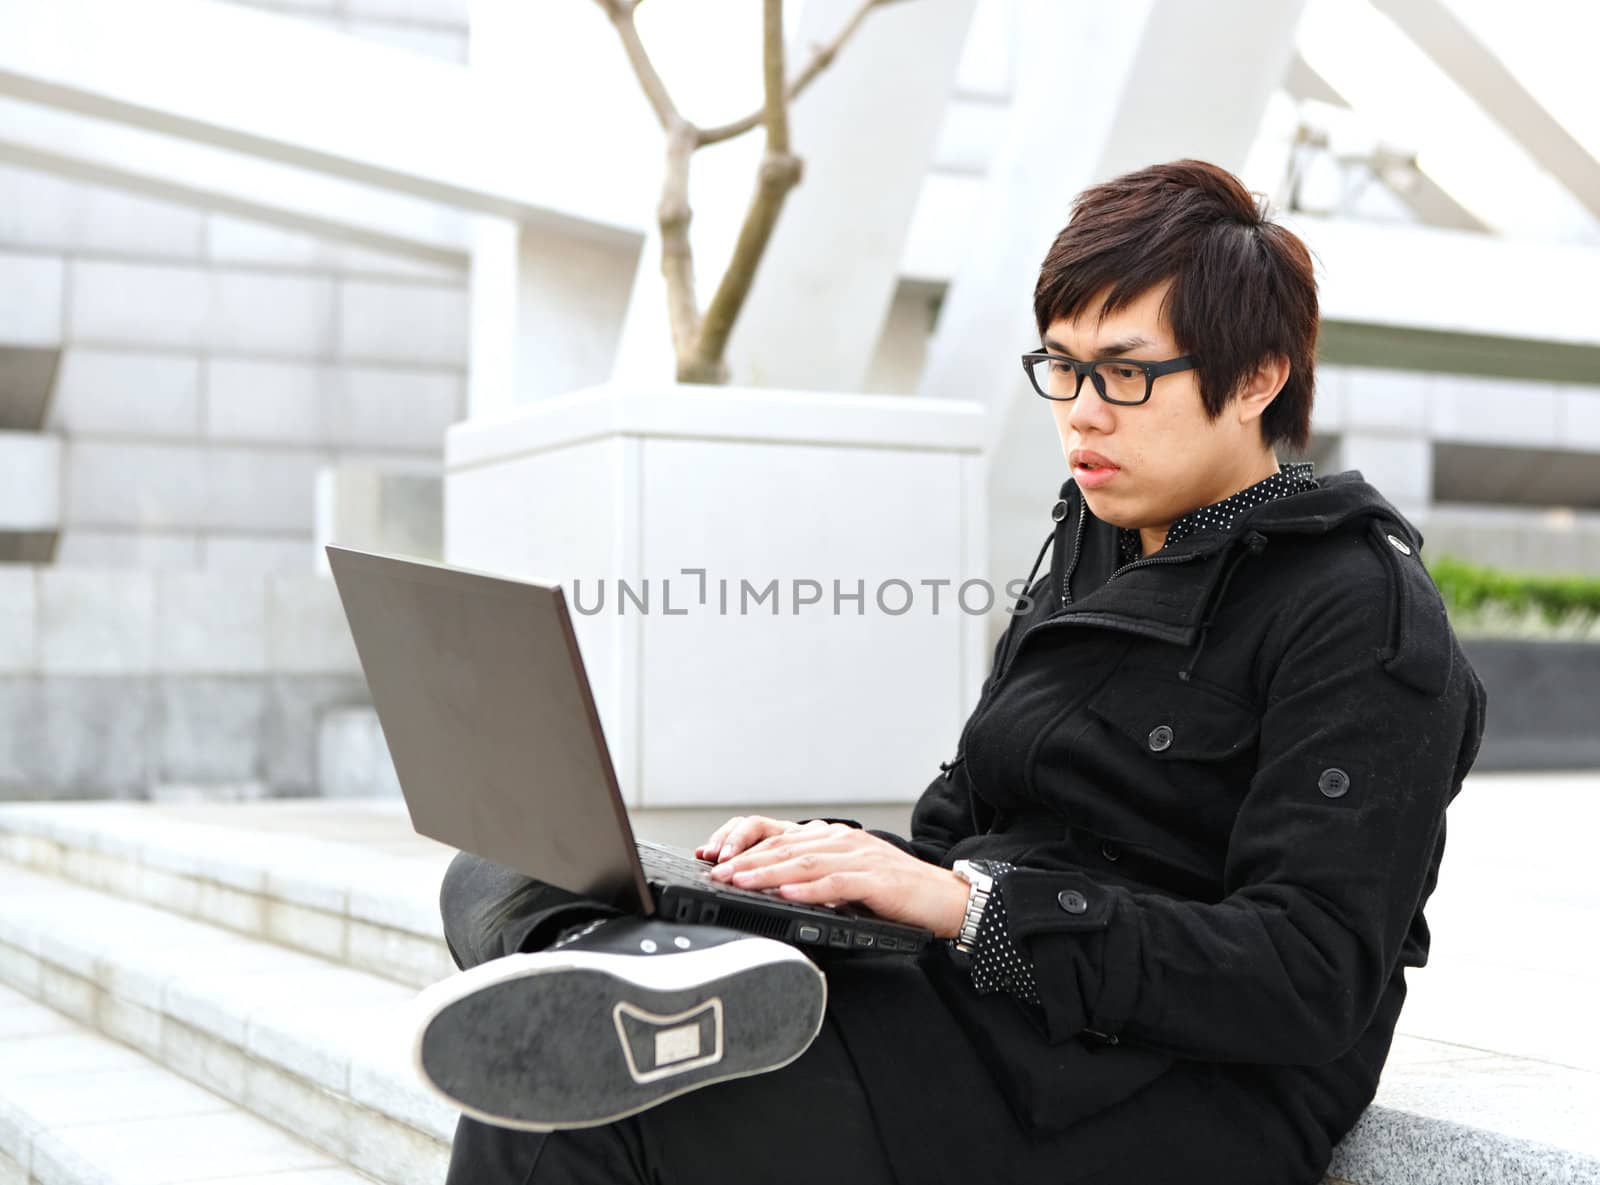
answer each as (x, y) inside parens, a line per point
(1114, 349)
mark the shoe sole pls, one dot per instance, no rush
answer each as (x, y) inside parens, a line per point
(558, 1039)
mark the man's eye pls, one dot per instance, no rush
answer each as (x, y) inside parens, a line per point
(1060, 367)
(1125, 372)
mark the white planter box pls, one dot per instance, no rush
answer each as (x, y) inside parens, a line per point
(703, 706)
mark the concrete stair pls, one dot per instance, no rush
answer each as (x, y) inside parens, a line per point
(367, 899)
(77, 1108)
(236, 972)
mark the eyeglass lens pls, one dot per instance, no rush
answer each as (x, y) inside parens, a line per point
(1118, 381)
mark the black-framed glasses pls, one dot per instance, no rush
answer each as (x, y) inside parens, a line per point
(1118, 380)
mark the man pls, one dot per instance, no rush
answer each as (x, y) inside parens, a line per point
(1180, 855)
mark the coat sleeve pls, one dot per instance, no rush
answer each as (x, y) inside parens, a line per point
(1331, 856)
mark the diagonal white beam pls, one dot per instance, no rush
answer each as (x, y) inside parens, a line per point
(1473, 67)
(830, 271)
(293, 93)
(162, 166)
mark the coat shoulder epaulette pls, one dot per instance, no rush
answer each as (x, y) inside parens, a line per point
(1420, 649)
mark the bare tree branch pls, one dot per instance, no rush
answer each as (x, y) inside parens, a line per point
(780, 172)
(621, 14)
(699, 342)
(776, 106)
(677, 257)
(821, 59)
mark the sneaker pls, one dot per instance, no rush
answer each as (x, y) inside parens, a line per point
(614, 1018)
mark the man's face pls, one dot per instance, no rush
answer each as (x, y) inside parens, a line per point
(1168, 457)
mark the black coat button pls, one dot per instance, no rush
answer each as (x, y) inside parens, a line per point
(1160, 737)
(1111, 851)
(1072, 901)
(1334, 783)
(1059, 510)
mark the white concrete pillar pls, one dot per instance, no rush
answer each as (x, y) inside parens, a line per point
(866, 130)
(1399, 464)
(1387, 431)
(1101, 89)
(492, 284)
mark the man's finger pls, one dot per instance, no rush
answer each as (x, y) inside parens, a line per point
(835, 888)
(750, 831)
(712, 846)
(797, 866)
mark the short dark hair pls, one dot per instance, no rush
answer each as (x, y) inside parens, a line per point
(1242, 286)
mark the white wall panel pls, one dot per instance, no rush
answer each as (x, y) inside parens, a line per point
(89, 625)
(30, 300)
(249, 399)
(402, 323)
(126, 393)
(19, 613)
(151, 486)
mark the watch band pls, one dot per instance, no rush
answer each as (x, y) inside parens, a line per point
(980, 885)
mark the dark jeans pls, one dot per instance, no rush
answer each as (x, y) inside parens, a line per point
(812, 1120)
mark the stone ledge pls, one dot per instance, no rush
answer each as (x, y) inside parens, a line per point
(1393, 1147)
(1448, 1113)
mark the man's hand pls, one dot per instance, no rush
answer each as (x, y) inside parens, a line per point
(830, 863)
(743, 831)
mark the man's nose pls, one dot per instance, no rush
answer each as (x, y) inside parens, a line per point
(1088, 409)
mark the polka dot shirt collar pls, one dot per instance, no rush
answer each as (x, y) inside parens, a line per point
(1293, 478)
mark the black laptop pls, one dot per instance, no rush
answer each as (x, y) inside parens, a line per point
(486, 709)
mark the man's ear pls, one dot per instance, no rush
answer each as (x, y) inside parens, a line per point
(1261, 386)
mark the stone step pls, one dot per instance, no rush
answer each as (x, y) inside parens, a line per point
(368, 899)
(77, 1108)
(314, 1046)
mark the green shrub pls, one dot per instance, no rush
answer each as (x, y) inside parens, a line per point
(1471, 589)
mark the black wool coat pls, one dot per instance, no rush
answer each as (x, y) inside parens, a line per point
(1222, 771)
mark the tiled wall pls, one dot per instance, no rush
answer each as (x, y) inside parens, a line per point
(211, 365)
(136, 684)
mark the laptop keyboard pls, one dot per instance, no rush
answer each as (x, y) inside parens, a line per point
(665, 863)
(672, 867)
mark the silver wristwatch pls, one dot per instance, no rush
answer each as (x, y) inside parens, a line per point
(981, 885)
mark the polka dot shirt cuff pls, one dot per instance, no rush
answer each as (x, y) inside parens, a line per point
(997, 964)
